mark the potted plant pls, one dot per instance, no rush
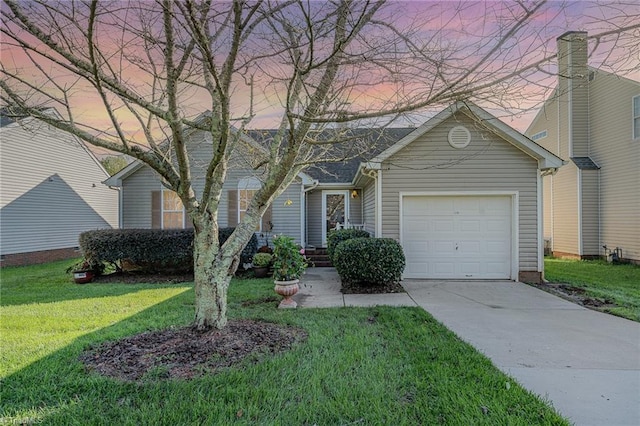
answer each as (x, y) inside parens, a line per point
(289, 264)
(261, 263)
(84, 272)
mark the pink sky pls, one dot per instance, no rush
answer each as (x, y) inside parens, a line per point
(438, 25)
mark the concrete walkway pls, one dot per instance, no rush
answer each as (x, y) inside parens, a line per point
(585, 362)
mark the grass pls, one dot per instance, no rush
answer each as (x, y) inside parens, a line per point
(602, 280)
(378, 365)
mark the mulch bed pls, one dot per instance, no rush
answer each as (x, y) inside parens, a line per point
(139, 278)
(184, 353)
(364, 288)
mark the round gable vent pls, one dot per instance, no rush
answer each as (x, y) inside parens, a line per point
(459, 137)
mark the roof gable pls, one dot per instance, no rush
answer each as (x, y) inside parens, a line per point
(546, 159)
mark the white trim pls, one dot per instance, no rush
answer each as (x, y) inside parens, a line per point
(579, 192)
(540, 221)
(303, 218)
(378, 204)
(324, 194)
(334, 185)
(633, 117)
(515, 217)
(552, 211)
(120, 209)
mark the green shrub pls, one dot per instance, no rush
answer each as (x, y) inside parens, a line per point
(288, 259)
(169, 249)
(373, 261)
(336, 237)
(262, 260)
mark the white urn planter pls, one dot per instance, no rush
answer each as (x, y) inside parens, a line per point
(287, 289)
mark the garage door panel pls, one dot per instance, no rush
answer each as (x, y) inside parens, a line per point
(457, 236)
(497, 225)
(469, 248)
(470, 225)
(443, 269)
(442, 225)
(498, 248)
(470, 269)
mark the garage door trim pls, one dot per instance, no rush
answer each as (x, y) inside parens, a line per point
(514, 216)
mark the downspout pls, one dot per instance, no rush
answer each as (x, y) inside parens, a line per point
(540, 213)
(120, 196)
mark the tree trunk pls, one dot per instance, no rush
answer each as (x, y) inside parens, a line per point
(212, 278)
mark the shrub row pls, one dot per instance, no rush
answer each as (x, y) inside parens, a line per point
(369, 261)
(336, 237)
(170, 249)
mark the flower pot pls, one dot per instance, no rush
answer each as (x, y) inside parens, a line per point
(83, 277)
(287, 289)
(261, 272)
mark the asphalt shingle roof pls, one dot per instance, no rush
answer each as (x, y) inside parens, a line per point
(343, 171)
(584, 163)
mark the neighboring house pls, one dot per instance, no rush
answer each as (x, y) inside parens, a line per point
(592, 120)
(51, 192)
(461, 193)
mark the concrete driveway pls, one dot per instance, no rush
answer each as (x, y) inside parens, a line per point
(586, 363)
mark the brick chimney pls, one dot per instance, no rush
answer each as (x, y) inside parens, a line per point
(573, 92)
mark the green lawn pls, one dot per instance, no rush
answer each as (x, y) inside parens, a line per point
(364, 366)
(605, 281)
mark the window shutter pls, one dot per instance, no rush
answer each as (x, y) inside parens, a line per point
(266, 218)
(156, 209)
(232, 208)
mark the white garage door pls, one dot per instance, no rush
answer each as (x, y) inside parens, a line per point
(457, 237)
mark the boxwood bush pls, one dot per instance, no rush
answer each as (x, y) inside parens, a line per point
(337, 236)
(149, 249)
(369, 261)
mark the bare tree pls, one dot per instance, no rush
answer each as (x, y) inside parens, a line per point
(158, 63)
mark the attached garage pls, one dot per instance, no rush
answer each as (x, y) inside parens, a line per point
(458, 236)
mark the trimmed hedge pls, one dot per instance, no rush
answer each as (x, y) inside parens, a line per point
(373, 261)
(150, 248)
(337, 236)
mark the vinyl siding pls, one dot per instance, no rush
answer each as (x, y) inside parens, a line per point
(286, 218)
(355, 208)
(618, 154)
(487, 164)
(138, 186)
(565, 210)
(574, 90)
(612, 147)
(369, 206)
(136, 198)
(51, 190)
(590, 213)
(547, 202)
(560, 192)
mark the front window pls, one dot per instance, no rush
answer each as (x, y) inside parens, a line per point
(636, 117)
(172, 211)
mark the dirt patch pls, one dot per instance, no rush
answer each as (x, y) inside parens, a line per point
(576, 295)
(139, 278)
(360, 288)
(183, 353)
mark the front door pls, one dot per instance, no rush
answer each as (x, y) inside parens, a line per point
(335, 207)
